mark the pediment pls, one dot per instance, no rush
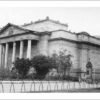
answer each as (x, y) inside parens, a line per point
(11, 29)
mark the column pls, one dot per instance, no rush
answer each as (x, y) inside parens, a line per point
(0, 55)
(43, 45)
(29, 49)
(6, 55)
(21, 50)
(3, 56)
(14, 52)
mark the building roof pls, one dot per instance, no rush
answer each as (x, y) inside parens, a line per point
(10, 24)
(97, 36)
(19, 27)
(44, 20)
(45, 32)
(84, 33)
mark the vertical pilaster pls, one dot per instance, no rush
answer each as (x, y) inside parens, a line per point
(6, 55)
(43, 45)
(14, 52)
(79, 56)
(29, 49)
(21, 50)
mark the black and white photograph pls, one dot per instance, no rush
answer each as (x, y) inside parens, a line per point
(49, 49)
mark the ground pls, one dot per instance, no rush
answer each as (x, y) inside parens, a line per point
(92, 90)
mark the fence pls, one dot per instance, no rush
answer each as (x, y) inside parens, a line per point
(58, 85)
(43, 86)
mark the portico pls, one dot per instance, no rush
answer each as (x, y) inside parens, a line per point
(17, 44)
(11, 50)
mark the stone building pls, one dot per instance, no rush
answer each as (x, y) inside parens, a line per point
(46, 37)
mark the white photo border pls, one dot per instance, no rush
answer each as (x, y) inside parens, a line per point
(46, 96)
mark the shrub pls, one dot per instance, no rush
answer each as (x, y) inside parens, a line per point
(14, 73)
(52, 75)
(31, 73)
(42, 65)
(53, 78)
(22, 66)
(5, 74)
(63, 62)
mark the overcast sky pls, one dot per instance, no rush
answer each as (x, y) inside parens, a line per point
(78, 19)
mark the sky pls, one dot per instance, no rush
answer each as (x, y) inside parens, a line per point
(78, 18)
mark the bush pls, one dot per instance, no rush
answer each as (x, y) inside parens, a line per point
(42, 65)
(63, 62)
(31, 73)
(14, 73)
(53, 78)
(22, 66)
(5, 74)
(52, 75)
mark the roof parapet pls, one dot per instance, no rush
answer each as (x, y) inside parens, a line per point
(46, 19)
(83, 33)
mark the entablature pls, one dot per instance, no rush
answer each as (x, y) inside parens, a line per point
(18, 37)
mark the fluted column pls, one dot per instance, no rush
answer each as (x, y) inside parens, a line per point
(29, 49)
(6, 55)
(14, 52)
(21, 50)
(0, 55)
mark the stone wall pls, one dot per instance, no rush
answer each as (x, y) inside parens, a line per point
(92, 52)
(34, 50)
(80, 55)
(63, 34)
(59, 45)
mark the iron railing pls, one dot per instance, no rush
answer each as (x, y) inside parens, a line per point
(43, 86)
(32, 86)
